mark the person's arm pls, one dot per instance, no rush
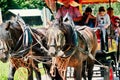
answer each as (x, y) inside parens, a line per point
(77, 14)
(77, 19)
(96, 21)
(89, 17)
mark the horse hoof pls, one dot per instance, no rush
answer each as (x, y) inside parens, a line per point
(10, 79)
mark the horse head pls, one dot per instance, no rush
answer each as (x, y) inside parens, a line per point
(56, 39)
(10, 31)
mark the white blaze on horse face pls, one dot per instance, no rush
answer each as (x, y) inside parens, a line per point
(3, 49)
(58, 39)
(51, 42)
(4, 34)
(2, 55)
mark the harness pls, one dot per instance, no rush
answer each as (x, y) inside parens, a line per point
(27, 40)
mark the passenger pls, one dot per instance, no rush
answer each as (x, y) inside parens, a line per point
(117, 33)
(103, 22)
(87, 18)
(73, 11)
(114, 19)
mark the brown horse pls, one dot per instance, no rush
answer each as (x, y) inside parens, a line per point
(13, 42)
(71, 48)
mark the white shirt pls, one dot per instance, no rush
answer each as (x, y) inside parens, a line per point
(103, 20)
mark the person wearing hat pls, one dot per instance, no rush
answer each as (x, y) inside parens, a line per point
(73, 11)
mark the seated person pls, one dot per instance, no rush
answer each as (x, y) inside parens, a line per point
(113, 18)
(87, 18)
(103, 22)
(73, 11)
(117, 33)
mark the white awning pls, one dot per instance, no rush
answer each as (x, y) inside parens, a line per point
(26, 12)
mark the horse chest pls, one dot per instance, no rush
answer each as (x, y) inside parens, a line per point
(77, 59)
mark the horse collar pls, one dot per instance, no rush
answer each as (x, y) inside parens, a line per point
(69, 52)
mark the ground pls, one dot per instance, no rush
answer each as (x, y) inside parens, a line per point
(45, 77)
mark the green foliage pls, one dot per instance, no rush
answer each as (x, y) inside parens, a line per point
(21, 73)
(30, 4)
(5, 5)
(4, 68)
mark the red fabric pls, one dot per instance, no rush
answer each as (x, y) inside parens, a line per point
(64, 0)
(111, 74)
(95, 1)
(114, 21)
(91, 1)
(98, 35)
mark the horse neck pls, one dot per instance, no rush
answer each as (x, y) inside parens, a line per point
(16, 35)
(68, 32)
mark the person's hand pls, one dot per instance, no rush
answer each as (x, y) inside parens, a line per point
(105, 27)
(90, 16)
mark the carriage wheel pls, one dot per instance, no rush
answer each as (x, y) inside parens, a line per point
(119, 70)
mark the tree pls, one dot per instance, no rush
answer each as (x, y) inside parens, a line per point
(5, 5)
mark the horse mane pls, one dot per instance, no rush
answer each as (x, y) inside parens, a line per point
(41, 31)
(66, 28)
(68, 32)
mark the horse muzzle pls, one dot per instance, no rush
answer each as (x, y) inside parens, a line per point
(3, 57)
(52, 51)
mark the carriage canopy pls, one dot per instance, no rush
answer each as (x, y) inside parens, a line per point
(92, 1)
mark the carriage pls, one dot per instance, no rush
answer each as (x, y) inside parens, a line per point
(110, 63)
(109, 59)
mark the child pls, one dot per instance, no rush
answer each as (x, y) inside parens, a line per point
(103, 22)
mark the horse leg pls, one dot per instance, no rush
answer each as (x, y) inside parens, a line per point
(37, 73)
(78, 72)
(90, 65)
(47, 68)
(30, 73)
(84, 70)
(12, 72)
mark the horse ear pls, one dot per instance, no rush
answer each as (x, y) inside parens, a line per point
(8, 25)
(18, 18)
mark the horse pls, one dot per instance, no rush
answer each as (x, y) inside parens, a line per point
(71, 47)
(13, 38)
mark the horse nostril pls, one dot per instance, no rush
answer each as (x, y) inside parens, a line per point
(53, 55)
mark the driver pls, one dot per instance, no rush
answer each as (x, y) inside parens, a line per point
(73, 11)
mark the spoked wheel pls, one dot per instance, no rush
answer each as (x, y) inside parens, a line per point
(119, 70)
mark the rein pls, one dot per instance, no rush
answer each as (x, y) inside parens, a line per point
(17, 52)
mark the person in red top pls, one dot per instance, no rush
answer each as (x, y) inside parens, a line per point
(113, 18)
(73, 11)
